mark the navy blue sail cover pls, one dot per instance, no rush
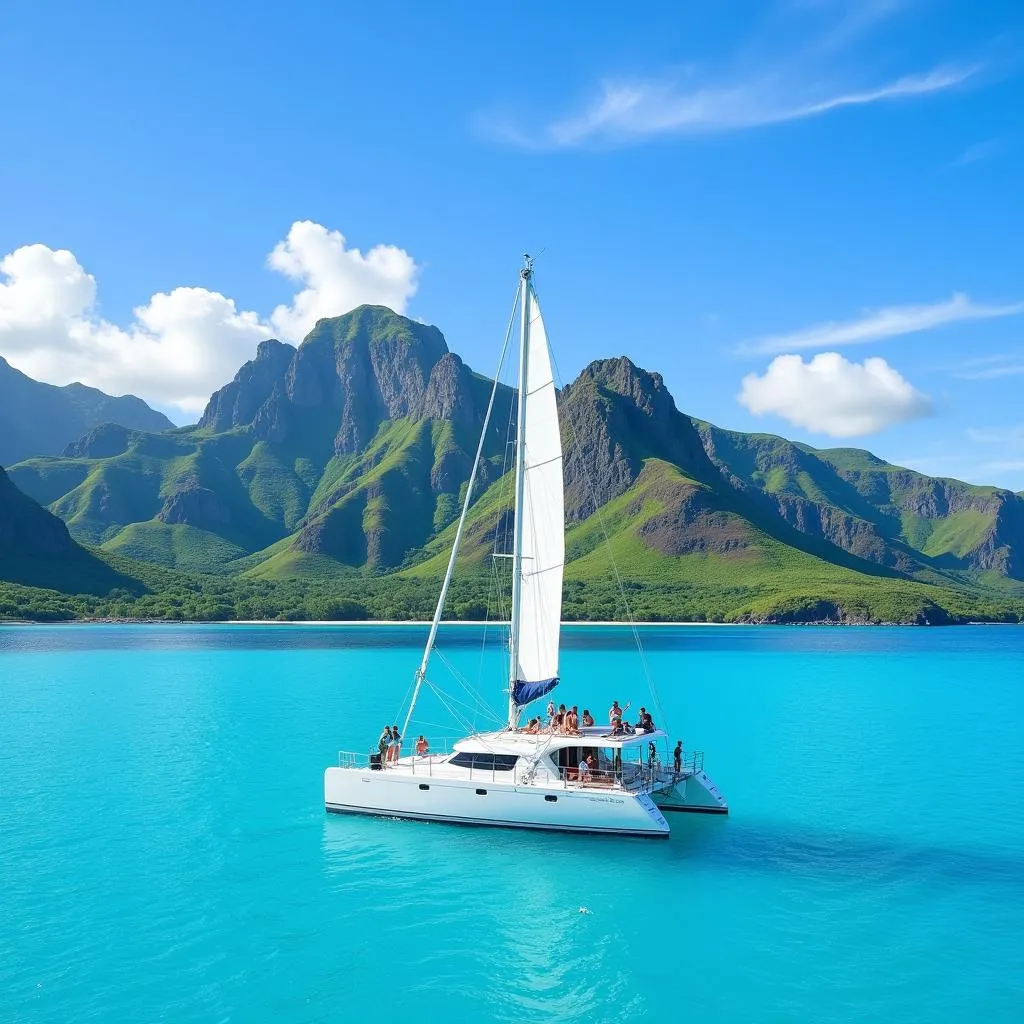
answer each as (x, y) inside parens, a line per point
(524, 692)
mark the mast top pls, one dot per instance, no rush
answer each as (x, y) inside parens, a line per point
(527, 265)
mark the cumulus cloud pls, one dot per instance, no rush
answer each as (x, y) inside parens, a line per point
(335, 278)
(830, 395)
(183, 344)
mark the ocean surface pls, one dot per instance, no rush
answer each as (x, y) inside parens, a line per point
(165, 856)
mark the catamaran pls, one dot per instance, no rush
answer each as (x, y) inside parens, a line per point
(590, 778)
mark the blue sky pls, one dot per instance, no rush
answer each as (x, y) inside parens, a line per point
(806, 214)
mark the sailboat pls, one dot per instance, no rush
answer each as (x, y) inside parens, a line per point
(601, 778)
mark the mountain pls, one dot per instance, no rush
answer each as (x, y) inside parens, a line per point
(41, 419)
(37, 550)
(345, 459)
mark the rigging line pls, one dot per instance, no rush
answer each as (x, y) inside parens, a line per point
(449, 700)
(611, 556)
(460, 719)
(449, 572)
(480, 705)
(461, 680)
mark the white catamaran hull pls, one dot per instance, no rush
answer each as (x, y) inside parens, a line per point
(470, 802)
(696, 793)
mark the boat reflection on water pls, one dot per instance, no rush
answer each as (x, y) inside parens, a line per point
(508, 935)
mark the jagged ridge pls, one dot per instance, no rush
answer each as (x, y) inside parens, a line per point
(351, 452)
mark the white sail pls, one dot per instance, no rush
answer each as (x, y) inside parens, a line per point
(543, 519)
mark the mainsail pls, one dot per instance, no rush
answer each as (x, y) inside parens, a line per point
(540, 516)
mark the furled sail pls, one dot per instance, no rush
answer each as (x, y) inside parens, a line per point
(543, 518)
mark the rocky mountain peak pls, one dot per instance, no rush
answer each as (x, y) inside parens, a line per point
(615, 415)
(237, 403)
(356, 370)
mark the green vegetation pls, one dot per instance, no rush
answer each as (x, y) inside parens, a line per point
(325, 482)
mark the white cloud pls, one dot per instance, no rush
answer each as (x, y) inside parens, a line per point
(991, 367)
(1006, 436)
(336, 279)
(633, 111)
(183, 344)
(978, 152)
(42, 285)
(830, 395)
(889, 322)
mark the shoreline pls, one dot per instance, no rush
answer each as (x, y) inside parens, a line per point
(475, 623)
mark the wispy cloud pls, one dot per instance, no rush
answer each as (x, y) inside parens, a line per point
(993, 372)
(990, 367)
(876, 325)
(978, 152)
(1003, 466)
(998, 435)
(634, 111)
(857, 18)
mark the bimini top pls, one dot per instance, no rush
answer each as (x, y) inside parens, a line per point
(506, 742)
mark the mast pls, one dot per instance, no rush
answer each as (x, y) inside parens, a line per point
(517, 550)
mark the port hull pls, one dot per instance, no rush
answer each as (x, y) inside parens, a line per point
(394, 794)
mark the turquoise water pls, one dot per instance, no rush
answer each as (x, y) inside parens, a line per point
(164, 855)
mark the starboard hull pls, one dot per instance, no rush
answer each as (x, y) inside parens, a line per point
(696, 794)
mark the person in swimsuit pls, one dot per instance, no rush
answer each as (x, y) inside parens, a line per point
(422, 746)
(396, 744)
(571, 722)
(588, 719)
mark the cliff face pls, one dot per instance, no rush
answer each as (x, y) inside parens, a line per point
(614, 416)
(351, 374)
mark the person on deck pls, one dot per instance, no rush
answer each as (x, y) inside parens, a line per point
(677, 756)
(422, 747)
(571, 722)
(551, 714)
(384, 743)
(588, 719)
(645, 721)
(534, 726)
(585, 765)
(395, 746)
(559, 725)
(614, 713)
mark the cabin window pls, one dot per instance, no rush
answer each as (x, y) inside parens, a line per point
(481, 792)
(485, 761)
(423, 785)
(551, 799)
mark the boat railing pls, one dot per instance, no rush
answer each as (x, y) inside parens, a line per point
(628, 776)
(358, 759)
(635, 776)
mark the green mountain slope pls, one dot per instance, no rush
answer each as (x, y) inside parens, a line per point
(40, 419)
(343, 463)
(36, 550)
